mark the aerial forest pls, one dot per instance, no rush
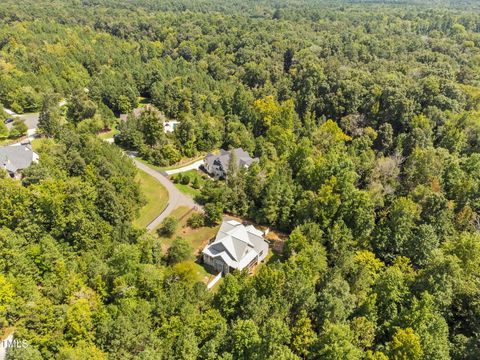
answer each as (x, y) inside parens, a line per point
(365, 118)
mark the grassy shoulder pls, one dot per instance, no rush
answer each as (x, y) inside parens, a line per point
(156, 196)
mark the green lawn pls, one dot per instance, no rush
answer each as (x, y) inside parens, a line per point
(156, 196)
(189, 189)
(183, 162)
(199, 238)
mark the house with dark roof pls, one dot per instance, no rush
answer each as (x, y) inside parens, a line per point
(236, 247)
(16, 158)
(217, 164)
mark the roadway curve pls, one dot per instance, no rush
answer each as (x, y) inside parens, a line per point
(175, 197)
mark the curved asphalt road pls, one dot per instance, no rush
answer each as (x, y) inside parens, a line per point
(175, 197)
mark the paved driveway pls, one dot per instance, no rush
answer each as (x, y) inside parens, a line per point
(31, 120)
(195, 166)
(175, 197)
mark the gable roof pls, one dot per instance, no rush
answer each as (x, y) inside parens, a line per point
(235, 244)
(223, 159)
(18, 157)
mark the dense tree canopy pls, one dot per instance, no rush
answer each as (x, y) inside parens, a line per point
(365, 118)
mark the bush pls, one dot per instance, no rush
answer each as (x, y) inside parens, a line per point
(168, 227)
(184, 179)
(196, 221)
(180, 250)
(196, 183)
(19, 128)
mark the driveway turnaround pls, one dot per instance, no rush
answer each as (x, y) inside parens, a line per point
(175, 197)
(195, 166)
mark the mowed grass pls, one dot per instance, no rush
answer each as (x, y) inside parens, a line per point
(156, 196)
(188, 189)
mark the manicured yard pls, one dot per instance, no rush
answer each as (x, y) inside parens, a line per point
(156, 196)
(188, 189)
(183, 162)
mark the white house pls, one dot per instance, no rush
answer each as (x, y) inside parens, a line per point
(236, 247)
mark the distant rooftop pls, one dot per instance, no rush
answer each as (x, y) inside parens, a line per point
(17, 157)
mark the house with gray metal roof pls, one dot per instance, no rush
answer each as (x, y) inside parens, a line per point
(217, 164)
(236, 247)
(16, 158)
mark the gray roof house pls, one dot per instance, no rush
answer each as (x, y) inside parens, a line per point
(236, 247)
(217, 164)
(16, 158)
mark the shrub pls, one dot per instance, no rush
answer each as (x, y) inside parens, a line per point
(184, 179)
(196, 220)
(19, 128)
(196, 183)
(168, 227)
